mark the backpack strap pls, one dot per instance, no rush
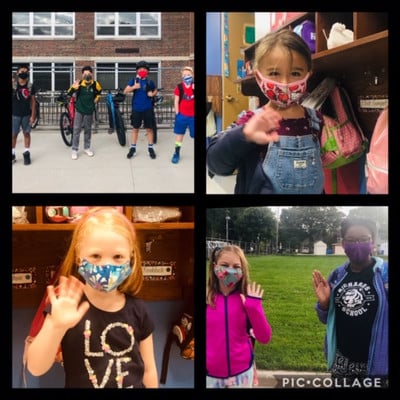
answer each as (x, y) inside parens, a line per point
(315, 121)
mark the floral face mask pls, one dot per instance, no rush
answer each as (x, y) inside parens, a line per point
(104, 277)
(227, 275)
(282, 94)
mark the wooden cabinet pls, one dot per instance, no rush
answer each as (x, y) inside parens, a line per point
(39, 247)
(361, 66)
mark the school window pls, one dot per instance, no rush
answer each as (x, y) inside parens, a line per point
(43, 25)
(117, 75)
(125, 25)
(54, 77)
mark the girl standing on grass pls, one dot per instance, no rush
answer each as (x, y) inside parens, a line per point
(104, 331)
(353, 304)
(234, 309)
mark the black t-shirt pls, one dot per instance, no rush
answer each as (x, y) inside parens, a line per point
(356, 303)
(21, 99)
(102, 351)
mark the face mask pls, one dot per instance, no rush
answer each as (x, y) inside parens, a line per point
(358, 252)
(104, 277)
(227, 275)
(88, 78)
(23, 75)
(143, 74)
(188, 80)
(283, 95)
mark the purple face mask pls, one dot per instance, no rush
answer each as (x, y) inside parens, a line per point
(358, 252)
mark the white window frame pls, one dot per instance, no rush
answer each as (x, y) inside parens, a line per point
(53, 25)
(139, 27)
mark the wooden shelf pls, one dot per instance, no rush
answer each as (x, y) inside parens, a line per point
(39, 244)
(350, 64)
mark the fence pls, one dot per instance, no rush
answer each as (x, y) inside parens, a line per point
(250, 248)
(50, 111)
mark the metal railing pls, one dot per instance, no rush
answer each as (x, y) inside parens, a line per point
(50, 110)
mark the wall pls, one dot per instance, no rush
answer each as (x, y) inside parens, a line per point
(164, 313)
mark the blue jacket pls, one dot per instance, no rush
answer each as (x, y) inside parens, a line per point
(378, 364)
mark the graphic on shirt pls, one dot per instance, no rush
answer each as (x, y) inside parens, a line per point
(119, 357)
(354, 298)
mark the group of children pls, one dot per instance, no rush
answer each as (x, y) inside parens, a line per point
(88, 91)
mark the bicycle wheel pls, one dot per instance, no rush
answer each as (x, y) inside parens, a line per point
(154, 127)
(120, 128)
(36, 122)
(66, 128)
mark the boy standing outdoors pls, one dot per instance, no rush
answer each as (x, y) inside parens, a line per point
(184, 110)
(142, 106)
(87, 95)
(23, 110)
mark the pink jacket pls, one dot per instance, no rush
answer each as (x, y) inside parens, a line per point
(229, 350)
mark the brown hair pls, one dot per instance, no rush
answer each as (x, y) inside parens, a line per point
(284, 38)
(212, 282)
(107, 218)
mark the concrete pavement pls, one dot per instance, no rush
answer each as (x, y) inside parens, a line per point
(53, 171)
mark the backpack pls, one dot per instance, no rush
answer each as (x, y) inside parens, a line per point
(37, 323)
(377, 163)
(15, 85)
(93, 85)
(342, 139)
(182, 333)
(181, 92)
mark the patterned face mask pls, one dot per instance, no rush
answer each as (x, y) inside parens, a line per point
(104, 277)
(227, 275)
(282, 94)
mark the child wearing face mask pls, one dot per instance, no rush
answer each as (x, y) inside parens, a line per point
(184, 110)
(234, 312)
(87, 92)
(353, 304)
(276, 149)
(104, 330)
(142, 107)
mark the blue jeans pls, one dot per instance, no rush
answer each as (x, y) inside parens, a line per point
(293, 165)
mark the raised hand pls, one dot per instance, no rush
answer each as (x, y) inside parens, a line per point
(66, 309)
(261, 127)
(253, 290)
(321, 288)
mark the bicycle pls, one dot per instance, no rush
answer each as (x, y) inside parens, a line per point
(115, 115)
(158, 99)
(37, 118)
(67, 117)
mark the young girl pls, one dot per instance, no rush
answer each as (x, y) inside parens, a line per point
(276, 149)
(104, 331)
(234, 310)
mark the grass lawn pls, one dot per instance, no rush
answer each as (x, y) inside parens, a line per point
(297, 334)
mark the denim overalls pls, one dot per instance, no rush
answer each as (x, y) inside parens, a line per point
(293, 164)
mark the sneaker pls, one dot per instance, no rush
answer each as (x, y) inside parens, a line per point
(89, 152)
(131, 153)
(175, 158)
(27, 157)
(13, 159)
(152, 154)
(74, 155)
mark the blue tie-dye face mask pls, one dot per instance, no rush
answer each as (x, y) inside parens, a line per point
(227, 275)
(104, 277)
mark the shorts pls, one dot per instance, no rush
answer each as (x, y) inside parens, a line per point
(19, 122)
(146, 117)
(243, 380)
(182, 122)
